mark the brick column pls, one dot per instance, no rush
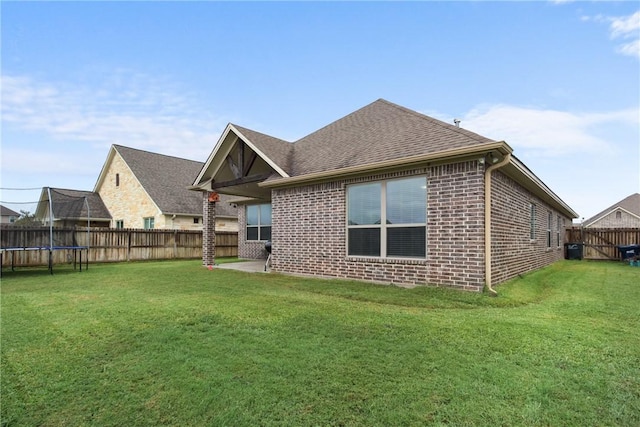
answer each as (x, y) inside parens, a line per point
(208, 230)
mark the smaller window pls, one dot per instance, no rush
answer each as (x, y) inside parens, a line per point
(618, 215)
(532, 221)
(549, 222)
(149, 223)
(258, 222)
(120, 223)
(117, 180)
(559, 230)
(196, 220)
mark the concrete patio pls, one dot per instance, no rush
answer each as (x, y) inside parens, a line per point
(249, 266)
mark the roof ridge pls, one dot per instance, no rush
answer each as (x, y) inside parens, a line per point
(154, 153)
(341, 118)
(438, 122)
(257, 131)
(71, 189)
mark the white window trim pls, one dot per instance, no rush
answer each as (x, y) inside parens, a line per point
(383, 223)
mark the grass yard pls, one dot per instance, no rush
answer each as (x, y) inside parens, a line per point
(172, 343)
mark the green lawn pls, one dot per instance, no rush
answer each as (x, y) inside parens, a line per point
(172, 343)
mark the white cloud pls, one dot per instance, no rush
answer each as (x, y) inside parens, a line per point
(630, 49)
(622, 27)
(547, 133)
(626, 26)
(125, 108)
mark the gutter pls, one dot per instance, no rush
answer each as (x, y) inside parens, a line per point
(487, 222)
(405, 162)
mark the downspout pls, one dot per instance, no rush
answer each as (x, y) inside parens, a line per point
(487, 222)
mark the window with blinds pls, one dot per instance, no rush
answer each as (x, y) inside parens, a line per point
(259, 222)
(388, 219)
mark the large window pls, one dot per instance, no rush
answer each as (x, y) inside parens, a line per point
(259, 222)
(388, 218)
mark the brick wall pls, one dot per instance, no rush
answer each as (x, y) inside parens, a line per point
(455, 225)
(513, 251)
(248, 249)
(309, 231)
(208, 230)
(309, 234)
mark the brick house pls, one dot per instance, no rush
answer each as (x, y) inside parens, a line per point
(150, 190)
(624, 214)
(385, 194)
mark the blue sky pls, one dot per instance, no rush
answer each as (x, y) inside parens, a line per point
(559, 81)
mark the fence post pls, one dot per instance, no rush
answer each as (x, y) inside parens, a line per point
(128, 245)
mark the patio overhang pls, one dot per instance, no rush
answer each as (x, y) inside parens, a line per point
(236, 167)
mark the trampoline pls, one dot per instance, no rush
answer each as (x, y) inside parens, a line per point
(75, 250)
(70, 206)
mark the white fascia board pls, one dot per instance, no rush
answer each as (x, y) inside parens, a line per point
(260, 153)
(198, 181)
(105, 168)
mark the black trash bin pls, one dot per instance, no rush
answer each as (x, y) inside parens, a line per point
(629, 251)
(573, 250)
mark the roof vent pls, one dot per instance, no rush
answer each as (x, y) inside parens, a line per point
(457, 122)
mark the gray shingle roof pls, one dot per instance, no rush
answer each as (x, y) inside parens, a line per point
(377, 132)
(4, 211)
(630, 203)
(69, 204)
(166, 179)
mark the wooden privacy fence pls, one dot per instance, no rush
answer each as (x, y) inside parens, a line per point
(602, 243)
(109, 244)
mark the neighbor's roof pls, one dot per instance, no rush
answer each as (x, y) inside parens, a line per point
(630, 204)
(70, 204)
(166, 179)
(4, 211)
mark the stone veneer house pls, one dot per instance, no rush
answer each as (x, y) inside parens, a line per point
(624, 214)
(387, 195)
(150, 190)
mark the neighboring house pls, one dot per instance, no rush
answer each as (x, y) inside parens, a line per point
(8, 216)
(388, 195)
(150, 190)
(71, 208)
(624, 214)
